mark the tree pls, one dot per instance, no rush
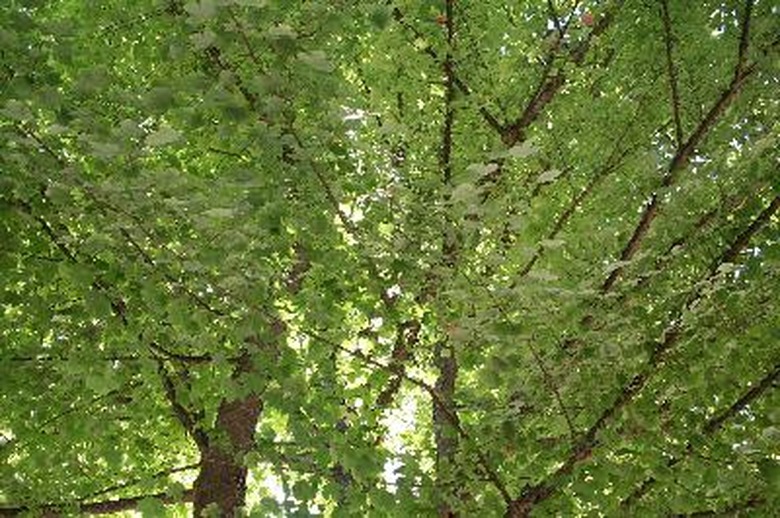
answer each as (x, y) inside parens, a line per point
(390, 259)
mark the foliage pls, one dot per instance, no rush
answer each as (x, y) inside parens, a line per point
(389, 259)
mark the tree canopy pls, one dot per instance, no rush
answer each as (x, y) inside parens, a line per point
(403, 258)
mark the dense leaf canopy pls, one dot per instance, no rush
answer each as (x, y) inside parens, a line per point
(410, 258)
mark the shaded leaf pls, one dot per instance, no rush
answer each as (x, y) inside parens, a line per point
(162, 137)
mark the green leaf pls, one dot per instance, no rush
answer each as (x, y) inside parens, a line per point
(770, 472)
(552, 243)
(201, 10)
(77, 274)
(98, 304)
(220, 213)
(317, 60)
(482, 169)
(102, 380)
(175, 489)
(263, 189)
(281, 32)
(380, 16)
(105, 150)
(151, 507)
(548, 176)
(203, 40)
(17, 110)
(58, 193)
(542, 275)
(522, 150)
(163, 137)
(465, 193)
(162, 97)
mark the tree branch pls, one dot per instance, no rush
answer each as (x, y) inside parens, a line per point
(129, 483)
(710, 428)
(103, 507)
(680, 162)
(407, 337)
(514, 132)
(482, 459)
(612, 163)
(117, 303)
(553, 387)
(744, 40)
(672, 72)
(767, 382)
(752, 502)
(742, 240)
(541, 491)
(491, 121)
(187, 419)
(197, 299)
(553, 13)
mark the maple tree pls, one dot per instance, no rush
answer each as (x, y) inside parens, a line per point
(389, 259)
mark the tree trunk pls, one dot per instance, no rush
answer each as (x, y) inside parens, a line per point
(445, 435)
(221, 481)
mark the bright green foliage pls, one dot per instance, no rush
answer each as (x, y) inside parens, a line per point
(573, 203)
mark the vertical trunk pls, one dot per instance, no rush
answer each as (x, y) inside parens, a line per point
(221, 482)
(445, 434)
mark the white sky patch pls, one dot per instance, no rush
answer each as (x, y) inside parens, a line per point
(399, 421)
(262, 482)
(6, 436)
(376, 323)
(274, 486)
(393, 291)
(354, 213)
(354, 114)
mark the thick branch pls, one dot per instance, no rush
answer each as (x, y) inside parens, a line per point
(742, 240)
(541, 491)
(678, 163)
(407, 337)
(445, 360)
(744, 39)
(103, 507)
(767, 382)
(710, 428)
(549, 87)
(611, 164)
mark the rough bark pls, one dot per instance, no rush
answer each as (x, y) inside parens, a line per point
(445, 434)
(221, 480)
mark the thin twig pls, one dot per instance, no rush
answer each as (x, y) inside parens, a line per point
(554, 15)
(489, 118)
(672, 72)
